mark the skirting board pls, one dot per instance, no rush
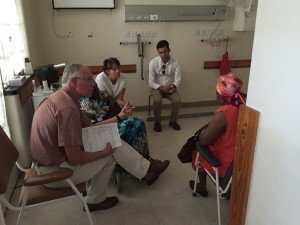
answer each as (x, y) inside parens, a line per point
(186, 105)
(187, 115)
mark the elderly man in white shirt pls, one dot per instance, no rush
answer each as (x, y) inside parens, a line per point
(164, 79)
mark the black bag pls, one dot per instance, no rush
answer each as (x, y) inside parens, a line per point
(185, 154)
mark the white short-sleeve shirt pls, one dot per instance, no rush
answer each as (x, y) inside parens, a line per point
(104, 84)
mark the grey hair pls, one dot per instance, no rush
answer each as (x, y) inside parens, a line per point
(70, 71)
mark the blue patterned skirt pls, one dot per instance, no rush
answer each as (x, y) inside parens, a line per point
(133, 131)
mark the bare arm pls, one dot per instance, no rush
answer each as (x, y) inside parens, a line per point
(215, 128)
(125, 112)
(120, 98)
(76, 156)
(110, 120)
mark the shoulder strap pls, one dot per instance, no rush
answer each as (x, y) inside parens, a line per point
(201, 129)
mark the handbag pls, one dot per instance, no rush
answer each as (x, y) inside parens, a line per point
(185, 154)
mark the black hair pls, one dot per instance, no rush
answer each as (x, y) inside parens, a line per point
(109, 63)
(162, 43)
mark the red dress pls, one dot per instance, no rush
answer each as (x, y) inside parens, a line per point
(223, 148)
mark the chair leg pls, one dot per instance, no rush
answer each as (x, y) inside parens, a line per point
(119, 177)
(23, 206)
(87, 211)
(196, 175)
(218, 194)
(2, 221)
(149, 105)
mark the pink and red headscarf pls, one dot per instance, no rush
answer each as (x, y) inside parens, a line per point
(229, 87)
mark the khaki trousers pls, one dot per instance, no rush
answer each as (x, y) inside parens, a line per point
(98, 172)
(157, 104)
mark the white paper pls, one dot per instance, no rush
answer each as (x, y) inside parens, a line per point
(95, 138)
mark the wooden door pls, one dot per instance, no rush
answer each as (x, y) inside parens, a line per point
(245, 145)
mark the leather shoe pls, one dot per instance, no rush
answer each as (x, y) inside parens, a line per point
(174, 125)
(202, 193)
(157, 127)
(155, 169)
(157, 161)
(109, 202)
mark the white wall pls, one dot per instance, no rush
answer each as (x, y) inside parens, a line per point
(274, 91)
(109, 29)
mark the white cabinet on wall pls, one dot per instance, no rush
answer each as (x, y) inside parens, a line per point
(244, 21)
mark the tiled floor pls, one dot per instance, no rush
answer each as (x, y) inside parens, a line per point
(169, 201)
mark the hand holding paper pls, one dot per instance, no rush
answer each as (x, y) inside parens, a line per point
(95, 138)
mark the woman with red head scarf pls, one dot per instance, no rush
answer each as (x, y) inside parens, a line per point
(220, 135)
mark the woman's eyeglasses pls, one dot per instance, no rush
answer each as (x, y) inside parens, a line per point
(164, 69)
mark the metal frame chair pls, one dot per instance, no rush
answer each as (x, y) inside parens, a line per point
(223, 186)
(245, 143)
(33, 192)
(149, 104)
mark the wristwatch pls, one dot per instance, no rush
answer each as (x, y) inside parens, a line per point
(118, 118)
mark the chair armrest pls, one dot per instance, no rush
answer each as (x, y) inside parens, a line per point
(207, 155)
(33, 179)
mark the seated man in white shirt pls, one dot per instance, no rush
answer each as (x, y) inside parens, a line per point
(164, 79)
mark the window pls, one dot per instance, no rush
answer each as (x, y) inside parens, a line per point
(12, 52)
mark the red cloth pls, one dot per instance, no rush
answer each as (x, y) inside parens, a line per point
(224, 147)
(224, 67)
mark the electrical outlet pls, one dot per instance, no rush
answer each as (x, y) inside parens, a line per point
(153, 34)
(153, 17)
(132, 33)
(90, 34)
(70, 34)
(127, 34)
(147, 33)
(140, 33)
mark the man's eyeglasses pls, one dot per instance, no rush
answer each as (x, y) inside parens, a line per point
(86, 79)
(164, 69)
